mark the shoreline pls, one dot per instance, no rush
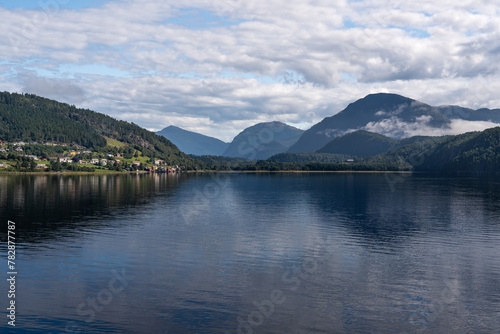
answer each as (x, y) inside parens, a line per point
(208, 171)
(72, 173)
(306, 171)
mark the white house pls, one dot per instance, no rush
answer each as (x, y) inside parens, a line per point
(34, 157)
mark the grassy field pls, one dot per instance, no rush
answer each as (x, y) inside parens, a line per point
(115, 143)
(144, 160)
(5, 162)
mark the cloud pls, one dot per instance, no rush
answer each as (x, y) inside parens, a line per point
(216, 105)
(60, 90)
(394, 127)
(171, 59)
(459, 126)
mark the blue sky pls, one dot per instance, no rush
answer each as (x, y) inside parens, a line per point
(37, 4)
(219, 66)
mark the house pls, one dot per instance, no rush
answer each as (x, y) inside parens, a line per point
(2, 143)
(18, 149)
(159, 162)
(83, 162)
(19, 143)
(110, 155)
(41, 166)
(94, 161)
(34, 157)
(118, 155)
(87, 152)
(349, 160)
(3, 150)
(104, 162)
(137, 163)
(2, 165)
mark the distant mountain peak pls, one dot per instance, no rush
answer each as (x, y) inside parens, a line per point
(192, 142)
(262, 140)
(389, 114)
(380, 95)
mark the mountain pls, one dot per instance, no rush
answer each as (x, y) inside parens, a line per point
(300, 158)
(387, 114)
(29, 117)
(193, 143)
(263, 140)
(457, 112)
(476, 153)
(472, 152)
(359, 143)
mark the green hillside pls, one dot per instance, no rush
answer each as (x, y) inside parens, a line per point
(308, 157)
(359, 143)
(469, 153)
(476, 152)
(472, 152)
(28, 117)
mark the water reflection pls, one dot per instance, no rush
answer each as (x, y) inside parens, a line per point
(47, 205)
(347, 252)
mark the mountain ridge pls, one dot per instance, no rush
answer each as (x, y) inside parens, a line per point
(381, 110)
(194, 143)
(30, 117)
(33, 118)
(262, 140)
(359, 143)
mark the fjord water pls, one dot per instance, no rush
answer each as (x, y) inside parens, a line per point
(254, 253)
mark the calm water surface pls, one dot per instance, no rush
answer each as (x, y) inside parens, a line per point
(253, 253)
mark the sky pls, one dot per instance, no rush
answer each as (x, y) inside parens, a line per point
(219, 66)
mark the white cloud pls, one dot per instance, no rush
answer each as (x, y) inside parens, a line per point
(396, 128)
(459, 126)
(176, 56)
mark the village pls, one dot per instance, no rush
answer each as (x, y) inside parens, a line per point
(72, 154)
